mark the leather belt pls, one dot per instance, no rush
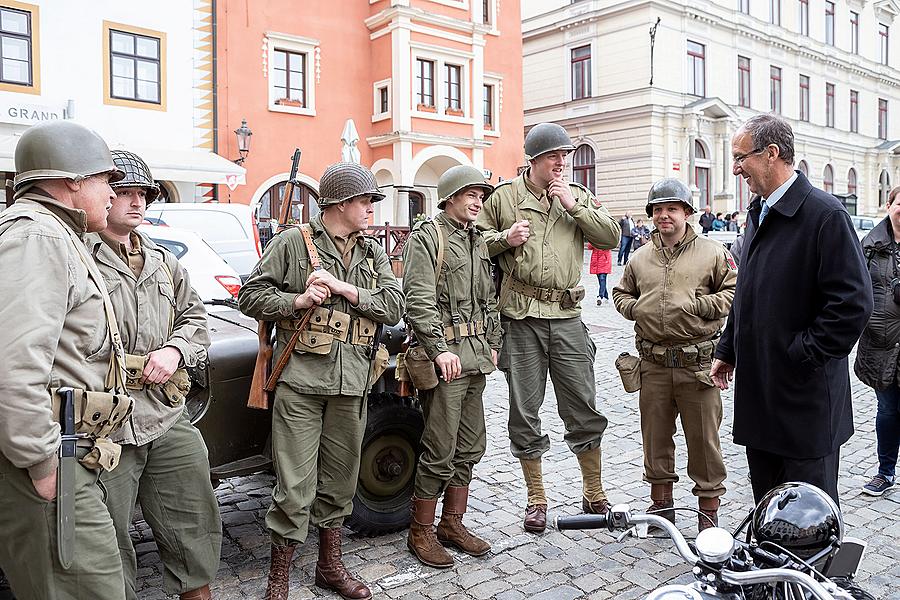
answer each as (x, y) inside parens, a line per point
(538, 293)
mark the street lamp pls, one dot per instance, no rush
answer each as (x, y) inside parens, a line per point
(243, 134)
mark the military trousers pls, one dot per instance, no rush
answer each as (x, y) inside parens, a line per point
(667, 393)
(170, 478)
(454, 439)
(28, 552)
(532, 348)
(316, 441)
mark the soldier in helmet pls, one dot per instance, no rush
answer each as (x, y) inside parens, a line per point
(62, 354)
(164, 463)
(678, 290)
(319, 414)
(537, 225)
(452, 309)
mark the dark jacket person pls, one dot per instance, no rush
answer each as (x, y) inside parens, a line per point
(803, 298)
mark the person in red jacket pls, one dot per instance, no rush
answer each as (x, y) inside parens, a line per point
(601, 266)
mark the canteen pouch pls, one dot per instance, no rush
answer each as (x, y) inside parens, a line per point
(134, 370)
(629, 368)
(571, 297)
(421, 369)
(176, 389)
(314, 342)
(380, 363)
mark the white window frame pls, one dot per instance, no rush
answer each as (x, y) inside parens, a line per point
(568, 50)
(442, 57)
(497, 82)
(377, 115)
(691, 80)
(301, 45)
(478, 16)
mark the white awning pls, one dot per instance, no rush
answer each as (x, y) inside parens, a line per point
(194, 166)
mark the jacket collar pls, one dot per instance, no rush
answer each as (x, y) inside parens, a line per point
(74, 218)
(689, 236)
(105, 255)
(791, 201)
(881, 236)
(325, 245)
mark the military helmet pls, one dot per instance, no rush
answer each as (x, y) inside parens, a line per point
(801, 518)
(61, 150)
(455, 179)
(137, 173)
(345, 180)
(670, 190)
(546, 137)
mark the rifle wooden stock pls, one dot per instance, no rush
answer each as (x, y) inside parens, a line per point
(259, 396)
(286, 353)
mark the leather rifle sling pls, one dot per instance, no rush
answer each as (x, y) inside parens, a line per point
(304, 320)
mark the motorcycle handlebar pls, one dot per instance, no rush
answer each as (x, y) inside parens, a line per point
(582, 522)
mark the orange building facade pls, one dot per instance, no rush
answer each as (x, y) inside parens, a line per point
(428, 84)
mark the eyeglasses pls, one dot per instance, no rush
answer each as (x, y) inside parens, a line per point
(739, 159)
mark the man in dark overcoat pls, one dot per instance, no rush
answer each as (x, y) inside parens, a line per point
(803, 298)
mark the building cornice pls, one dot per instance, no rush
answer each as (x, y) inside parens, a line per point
(431, 139)
(398, 15)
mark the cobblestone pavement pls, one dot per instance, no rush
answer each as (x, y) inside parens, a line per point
(552, 566)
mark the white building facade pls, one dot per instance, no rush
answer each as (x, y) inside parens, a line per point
(141, 75)
(829, 67)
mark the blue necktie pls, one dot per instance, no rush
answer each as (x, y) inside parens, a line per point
(763, 212)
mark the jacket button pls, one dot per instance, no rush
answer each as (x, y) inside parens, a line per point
(318, 319)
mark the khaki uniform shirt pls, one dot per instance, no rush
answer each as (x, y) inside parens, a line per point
(466, 274)
(155, 307)
(678, 295)
(54, 331)
(553, 256)
(280, 276)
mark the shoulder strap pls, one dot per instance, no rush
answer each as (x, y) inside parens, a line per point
(168, 271)
(115, 376)
(439, 263)
(310, 247)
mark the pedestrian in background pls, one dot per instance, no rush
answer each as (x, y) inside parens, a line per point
(718, 223)
(797, 313)
(640, 234)
(879, 345)
(678, 292)
(601, 266)
(706, 219)
(626, 224)
(733, 222)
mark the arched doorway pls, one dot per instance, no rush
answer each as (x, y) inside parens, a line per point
(851, 181)
(828, 179)
(884, 188)
(701, 173)
(303, 207)
(803, 168)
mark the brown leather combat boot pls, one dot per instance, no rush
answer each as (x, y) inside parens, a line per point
(202, 593)
(600, 507)
(709, 513)
(593, 499)
(536, 509)
(331, 574)
(422, 540)
(535, 518)
(663, 505)
(279, 572)
(451, 531)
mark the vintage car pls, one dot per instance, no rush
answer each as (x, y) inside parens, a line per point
(239, 442)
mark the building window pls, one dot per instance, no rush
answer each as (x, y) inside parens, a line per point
(884, 188)
(803, 168)
(829, 23)
(135, 66)
(884, 37)
(486, 12)
(425, 83)
(851, 181)
(303, 203)
(828, 179)
(829, 105)
(16, 44)
(290, 78)
(381, 100)
(581, 72)
(775, 89)
(383, 104)
(583, 170)
(488, 106)
(854, 32)
(804, 98)
(696, 54)
(453, 97)
(744, 6)
(743, 193)
(775, 12)
(804, 17)
(882, 118)
(744, 81)
(854, 111)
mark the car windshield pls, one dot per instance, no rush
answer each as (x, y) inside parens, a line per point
(176, 248)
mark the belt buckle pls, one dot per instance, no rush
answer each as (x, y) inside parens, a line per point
(672, 358)
(470, 328)
(545, 294)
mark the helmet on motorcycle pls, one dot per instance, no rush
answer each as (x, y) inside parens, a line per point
(798, 517)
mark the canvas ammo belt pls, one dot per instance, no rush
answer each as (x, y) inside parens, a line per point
(457, 331)
(343, 327)
(538, 293)
(687, 355)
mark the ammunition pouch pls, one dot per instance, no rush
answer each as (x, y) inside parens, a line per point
(327, 326)
(568, 298)
(134, 370)
(104, 455)
(379, 363)
(420, 369)
(629, 368)
(97, 415)
(174, 391)
(455, 332)
(571, 297)
(689, 356)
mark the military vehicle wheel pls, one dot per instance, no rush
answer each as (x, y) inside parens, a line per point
(390, 451)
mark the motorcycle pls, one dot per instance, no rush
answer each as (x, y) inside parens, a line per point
(794, 549)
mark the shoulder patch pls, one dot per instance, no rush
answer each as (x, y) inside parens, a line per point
(594, 200)
(729, 259)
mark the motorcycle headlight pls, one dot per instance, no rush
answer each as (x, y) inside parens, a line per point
(674, 592)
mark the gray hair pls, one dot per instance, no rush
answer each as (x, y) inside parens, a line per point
(771, 129)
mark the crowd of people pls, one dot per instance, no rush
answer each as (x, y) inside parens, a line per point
(100, 337)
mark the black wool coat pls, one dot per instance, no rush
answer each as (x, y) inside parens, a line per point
(803, 297)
